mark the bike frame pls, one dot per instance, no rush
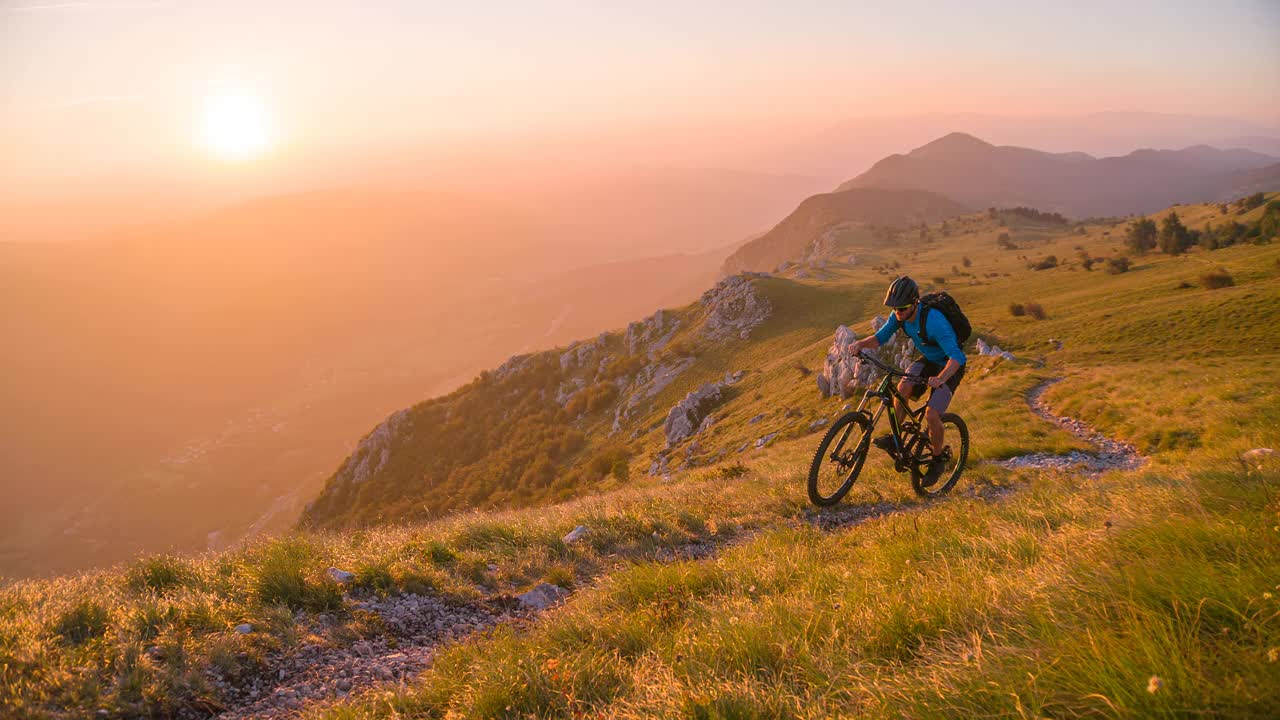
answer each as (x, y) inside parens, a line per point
(887, 393)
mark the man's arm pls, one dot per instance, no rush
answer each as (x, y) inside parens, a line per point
(880, 337)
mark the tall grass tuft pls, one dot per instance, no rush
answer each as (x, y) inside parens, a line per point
(83, 621)
(160, 574)
(281, 578)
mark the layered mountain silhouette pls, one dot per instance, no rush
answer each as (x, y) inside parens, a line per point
(979, 174)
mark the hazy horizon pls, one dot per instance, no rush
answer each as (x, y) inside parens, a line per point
(122, 91)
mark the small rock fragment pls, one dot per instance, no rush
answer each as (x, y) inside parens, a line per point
(543, 596)
(342, 577)
(575, 534)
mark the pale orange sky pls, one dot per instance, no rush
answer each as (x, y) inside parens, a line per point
(115, 88)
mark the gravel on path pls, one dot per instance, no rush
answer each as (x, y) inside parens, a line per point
(1109, 454)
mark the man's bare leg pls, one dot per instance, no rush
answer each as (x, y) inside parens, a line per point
(934, 418)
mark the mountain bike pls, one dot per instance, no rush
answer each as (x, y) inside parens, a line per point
(844, 448)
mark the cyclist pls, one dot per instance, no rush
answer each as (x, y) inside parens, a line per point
(942, 363)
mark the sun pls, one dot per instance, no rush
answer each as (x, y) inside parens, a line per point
(236, 125)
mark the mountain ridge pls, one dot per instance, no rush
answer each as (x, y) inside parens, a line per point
(980, 174)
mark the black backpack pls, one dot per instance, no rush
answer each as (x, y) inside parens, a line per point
(951, 311)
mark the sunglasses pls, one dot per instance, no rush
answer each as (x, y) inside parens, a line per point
(904, 308)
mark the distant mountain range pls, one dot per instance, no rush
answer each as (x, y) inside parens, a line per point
(1075, 184)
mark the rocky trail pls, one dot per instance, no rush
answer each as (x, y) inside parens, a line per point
(316, 675)
(1110, 454)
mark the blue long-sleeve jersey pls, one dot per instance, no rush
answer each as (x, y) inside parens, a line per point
(943, 343)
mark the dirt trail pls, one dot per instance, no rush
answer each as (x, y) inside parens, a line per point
(1110, 454)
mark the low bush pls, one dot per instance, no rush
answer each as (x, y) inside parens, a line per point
(1036, 311)
(1216, 279)
(1117, 265)
(1017, 309)
(939, 280)
(1048, 261)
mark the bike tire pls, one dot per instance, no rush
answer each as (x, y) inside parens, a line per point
(956, 434)
(854, 427)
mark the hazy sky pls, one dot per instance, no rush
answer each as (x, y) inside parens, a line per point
(90, 88)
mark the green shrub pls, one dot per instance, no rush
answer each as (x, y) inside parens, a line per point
(159, 574)
(281, 579)
(83, 621)
(376, 579)
(1216, 279)
(439, 553)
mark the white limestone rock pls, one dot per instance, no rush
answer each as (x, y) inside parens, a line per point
(684, 418)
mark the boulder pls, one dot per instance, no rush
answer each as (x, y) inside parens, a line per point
(575, 534)
(342, 577)
(818, 424)
(244, 628)
(543, 596)
(684, 418)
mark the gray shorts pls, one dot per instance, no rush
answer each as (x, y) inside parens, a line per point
(939, 398)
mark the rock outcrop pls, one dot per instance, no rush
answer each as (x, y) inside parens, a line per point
(842, 369)
(684, 419)
(374, 450)
(652, 334)
(734, 308)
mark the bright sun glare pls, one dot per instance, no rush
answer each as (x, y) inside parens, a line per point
(236, 125)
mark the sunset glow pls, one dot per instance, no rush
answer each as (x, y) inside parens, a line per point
(236, 126)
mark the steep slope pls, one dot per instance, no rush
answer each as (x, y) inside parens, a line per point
(851, 218)
(1078, 185)
(540, 427)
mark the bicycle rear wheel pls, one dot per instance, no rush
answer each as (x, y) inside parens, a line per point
(956, 440)
(839, 459)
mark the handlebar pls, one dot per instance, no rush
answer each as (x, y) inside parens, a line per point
(888, 370)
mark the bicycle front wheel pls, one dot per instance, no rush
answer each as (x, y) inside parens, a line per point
(956, 440)
(839, 459)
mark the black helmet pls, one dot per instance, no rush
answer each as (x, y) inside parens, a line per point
(902, 291)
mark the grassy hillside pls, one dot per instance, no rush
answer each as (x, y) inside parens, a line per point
(1025, 593)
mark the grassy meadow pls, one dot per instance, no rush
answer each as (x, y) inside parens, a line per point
(1151, 593)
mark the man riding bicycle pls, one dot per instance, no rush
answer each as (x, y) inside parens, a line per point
(942, 364)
